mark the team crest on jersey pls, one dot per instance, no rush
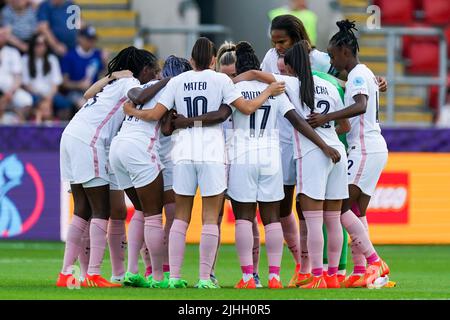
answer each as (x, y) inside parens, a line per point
(358, 81)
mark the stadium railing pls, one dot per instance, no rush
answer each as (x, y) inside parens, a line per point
(392, 34)
(191, 32)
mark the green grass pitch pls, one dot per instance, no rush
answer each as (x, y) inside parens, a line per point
(28, 270)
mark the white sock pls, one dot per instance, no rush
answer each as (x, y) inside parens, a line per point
(274, 275)
(246, 276)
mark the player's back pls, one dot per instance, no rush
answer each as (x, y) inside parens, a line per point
(101, 117)
(326, 100)
(139, 129)
(259, 129)
(195, 93)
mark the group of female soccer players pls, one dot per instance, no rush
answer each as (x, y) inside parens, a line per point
(237, 128)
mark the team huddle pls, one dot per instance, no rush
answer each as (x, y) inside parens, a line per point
(234, 128)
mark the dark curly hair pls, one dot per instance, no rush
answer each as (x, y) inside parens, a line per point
(246, 58)
(345, 37)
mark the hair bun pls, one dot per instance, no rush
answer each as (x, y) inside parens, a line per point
(346, 25)
(244, 47)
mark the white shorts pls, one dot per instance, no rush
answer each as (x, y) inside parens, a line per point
(248, 183)
(168, 176)
(364, 170)
(133, 164)
(164, 151)
(210, 177)
(288, 164)
(81, 163)
(319, 178)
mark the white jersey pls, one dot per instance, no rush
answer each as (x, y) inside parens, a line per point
(365, 134)
(194, 93)
(320, 61)
(293, 92)
(144, 132)
(260, 129)
(99, 120)
(326, 100)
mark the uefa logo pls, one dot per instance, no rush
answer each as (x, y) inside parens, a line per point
(15, 177)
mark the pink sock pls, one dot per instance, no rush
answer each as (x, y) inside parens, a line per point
(291, 235)
(117, 241)
(247, 269)
(219, 224)
(244, 242)
(359, 260)
(169, 211)
(314, 222)
(305, 265)
(145, 255)
(365, 223)
(154, 240)
(177, 245)
(135, 240)
(73, 243)
(85, 252)
(208, 248)
(335, 239)
(148, 271)
(274, 243)
(256, 246)
(358, 234)
(98, 244)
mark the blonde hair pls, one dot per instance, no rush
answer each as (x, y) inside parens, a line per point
(226, 55)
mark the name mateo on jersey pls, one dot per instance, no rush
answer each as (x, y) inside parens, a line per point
(249, 95)
(191, 86)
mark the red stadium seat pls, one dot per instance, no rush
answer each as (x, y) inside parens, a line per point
(437, 12)
(424, 58)
(410, 39)
(398, 12)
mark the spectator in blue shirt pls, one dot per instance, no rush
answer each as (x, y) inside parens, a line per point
(55, 23)
(20, 17)
(82, 66)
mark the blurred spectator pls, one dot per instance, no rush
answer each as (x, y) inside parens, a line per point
(299, 9)
(42, 76)
(82, 65)
(21, 18)
(11, 95)
(53, 18)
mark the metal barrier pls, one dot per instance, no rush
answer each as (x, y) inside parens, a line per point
(392, 33)
(191, 33)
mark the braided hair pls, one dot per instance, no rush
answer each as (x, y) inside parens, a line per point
(226, 55)
(293, 26)
(298, 58)
(246, 58)
(132, 59)
(175, 66)
(345, 36)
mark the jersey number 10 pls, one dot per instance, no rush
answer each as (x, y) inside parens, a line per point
(193, 104)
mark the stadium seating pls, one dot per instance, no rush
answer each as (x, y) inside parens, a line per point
(398, 12)
(424, 58)
(437, 12)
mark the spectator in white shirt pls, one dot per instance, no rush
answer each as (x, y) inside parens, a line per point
(41, 77)
(12, 96)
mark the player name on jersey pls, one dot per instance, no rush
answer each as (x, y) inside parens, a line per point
(321, 90)
(249, 95)
(191, 86)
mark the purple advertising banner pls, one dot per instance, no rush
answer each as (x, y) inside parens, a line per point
(29, 195)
